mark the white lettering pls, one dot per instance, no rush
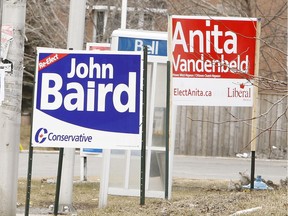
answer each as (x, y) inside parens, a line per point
(74, 100)
(202, 42)
(92, 93)
(51, 92)
(138, 45)
(103, 90)
(82, 70)
(130, 89)
(181, 41)
(207, 65)
(232, 42)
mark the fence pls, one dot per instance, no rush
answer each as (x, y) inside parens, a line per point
(225, 131)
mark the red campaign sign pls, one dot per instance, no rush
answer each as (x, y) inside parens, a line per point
(213, 47)
(100, 48)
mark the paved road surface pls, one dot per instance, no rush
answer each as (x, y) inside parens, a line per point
(45, 165)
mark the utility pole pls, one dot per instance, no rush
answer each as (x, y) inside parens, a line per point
(75, 41)
(13, 14)
(123, 14)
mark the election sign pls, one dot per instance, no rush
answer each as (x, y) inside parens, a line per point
(213, 60)
(133, 40)
(155, 47)
(87, 99)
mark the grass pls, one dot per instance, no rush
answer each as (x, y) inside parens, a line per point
(189, 197)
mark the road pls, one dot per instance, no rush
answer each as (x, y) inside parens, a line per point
(45, 165)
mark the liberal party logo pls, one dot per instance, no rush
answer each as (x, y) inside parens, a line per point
(40, 135)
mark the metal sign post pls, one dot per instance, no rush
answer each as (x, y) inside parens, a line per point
(143, 148)
(58, 183)
(255, 107)
(29, 176)
(167, 132)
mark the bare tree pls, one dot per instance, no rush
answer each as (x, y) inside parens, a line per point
(46, 26)
(272, 78)
(47, 22)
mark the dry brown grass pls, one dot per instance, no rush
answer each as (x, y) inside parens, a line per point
(189, 197)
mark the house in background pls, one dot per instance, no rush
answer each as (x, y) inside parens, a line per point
(103, 18)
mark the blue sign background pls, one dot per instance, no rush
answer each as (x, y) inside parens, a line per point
(111, 120)
(128, 44)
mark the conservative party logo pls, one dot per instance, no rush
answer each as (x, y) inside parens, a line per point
(41, 135)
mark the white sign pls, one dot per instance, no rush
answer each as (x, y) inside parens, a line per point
(85, 99)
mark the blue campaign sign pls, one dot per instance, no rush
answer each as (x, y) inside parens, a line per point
(85, 99)
(155, 47)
